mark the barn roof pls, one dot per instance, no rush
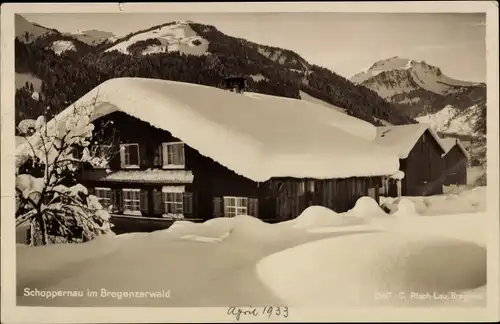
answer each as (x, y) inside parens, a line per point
(257, 136)
(450, 142)
(400, 139)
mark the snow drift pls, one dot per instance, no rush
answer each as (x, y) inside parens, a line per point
(348, 271)
(249, 262)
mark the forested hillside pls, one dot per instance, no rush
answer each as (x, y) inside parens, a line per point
(69, 74)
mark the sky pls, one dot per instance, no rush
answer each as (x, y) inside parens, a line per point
(343, 42)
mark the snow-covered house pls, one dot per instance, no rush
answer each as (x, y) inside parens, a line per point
(455, 161)
(196, 152)
(419, 149)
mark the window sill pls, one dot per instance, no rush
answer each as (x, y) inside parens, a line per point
(174, 166)
(130, 167)
(132, 213)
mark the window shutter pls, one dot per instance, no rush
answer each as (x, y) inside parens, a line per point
(157, 154)
(253, 207)
(117, 200)
(145, 152)
(158, 207)
(218, 207)
(164, 147)
(134, 154)
(143, 202)
(188, 203)
(181, 154)
(109, 194)
(122, 155)
(165, 199)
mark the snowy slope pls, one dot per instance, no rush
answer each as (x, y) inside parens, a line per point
(93, 36)
(424, 92)
(62, 46)
(308, 140)
(424, 75)
(27, 31)
(176, 37)
(22, 78)
(449, 120)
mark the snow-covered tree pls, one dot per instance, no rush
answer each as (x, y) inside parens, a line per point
(56, 209)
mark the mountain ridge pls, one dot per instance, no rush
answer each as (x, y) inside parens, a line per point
(68, 74)
(425, 93)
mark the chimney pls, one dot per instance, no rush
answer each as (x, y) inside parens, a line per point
(235, 84)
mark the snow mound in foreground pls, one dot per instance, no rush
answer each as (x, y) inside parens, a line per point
(457, 201)
(366, 207)
(406, 208)
(318, 216)
(350, 270)
(211, 231)
(37, 261)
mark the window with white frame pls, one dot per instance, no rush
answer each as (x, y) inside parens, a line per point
(234, 206)
(173, 155)
(129, 155)
(132, 201)
(104, 196)
(173, 199)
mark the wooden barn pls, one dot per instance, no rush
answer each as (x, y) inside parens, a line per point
(185, 151)
(455, 161)
(420, 152)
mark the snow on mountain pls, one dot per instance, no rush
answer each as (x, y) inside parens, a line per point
(178, 36)
(393, 63)
(61, 46)
(425, 93)
(93, 36)
(404, 75)
(448, 120)
(22, 78)
(27, 31)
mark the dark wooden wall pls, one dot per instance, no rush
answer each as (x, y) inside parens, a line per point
(279, 199)
(211, 179)
(423, 169)
(455, 167)
(339, 195)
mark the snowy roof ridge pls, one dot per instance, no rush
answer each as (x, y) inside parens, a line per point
(450, 142)
(258, 137)
(401, 139)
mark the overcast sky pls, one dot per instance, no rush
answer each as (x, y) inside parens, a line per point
(343, 42)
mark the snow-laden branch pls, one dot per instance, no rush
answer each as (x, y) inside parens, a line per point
(43, 198)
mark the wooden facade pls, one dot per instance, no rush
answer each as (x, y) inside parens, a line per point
(214, 190)
(455, 166)
(423, 169)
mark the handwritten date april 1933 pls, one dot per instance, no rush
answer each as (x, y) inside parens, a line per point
(269, 311)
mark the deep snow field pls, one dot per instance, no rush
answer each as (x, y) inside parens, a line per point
(426, 252)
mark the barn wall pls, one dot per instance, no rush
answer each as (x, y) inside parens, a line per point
(455, 167)
(423, 168)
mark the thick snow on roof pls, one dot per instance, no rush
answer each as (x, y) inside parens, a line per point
(449, 143)
(257, 136)
(400, 139)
